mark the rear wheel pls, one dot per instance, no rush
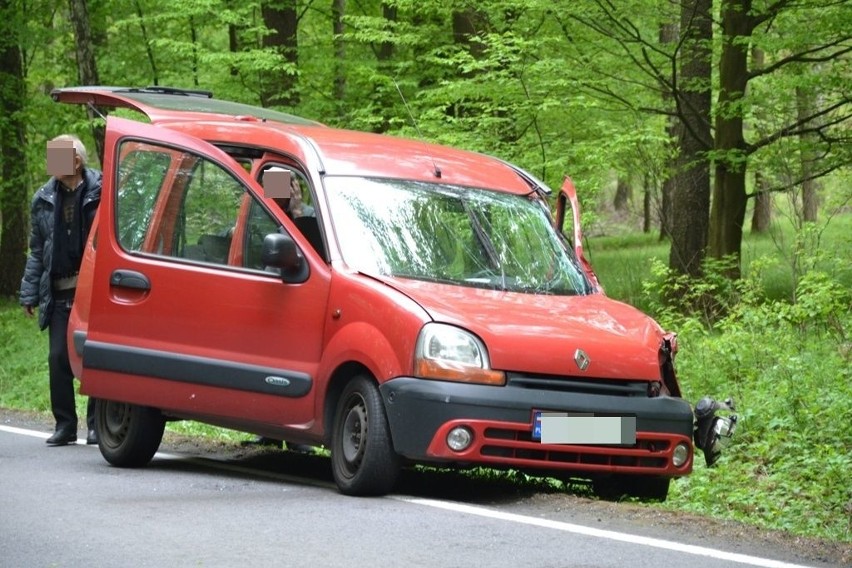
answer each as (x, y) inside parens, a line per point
(646, 488)
(128, 435)
(363, 460)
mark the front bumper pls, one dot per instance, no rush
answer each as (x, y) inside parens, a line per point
(422, 412)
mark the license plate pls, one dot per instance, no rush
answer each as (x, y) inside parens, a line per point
(564, 428)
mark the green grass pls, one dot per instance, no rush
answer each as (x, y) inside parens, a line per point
(23, 360)
(623, 262)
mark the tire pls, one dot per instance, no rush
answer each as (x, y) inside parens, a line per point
(363, 460)
(128, 435)
(645, 488)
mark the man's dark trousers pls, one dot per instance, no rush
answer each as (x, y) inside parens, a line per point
(61, 376)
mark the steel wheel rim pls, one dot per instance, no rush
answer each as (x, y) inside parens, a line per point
(354, 433)
(115, 423)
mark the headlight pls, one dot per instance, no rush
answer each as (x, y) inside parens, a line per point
(712, 433)
(449, 353)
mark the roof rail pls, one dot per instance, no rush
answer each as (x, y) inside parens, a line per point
(173, 91)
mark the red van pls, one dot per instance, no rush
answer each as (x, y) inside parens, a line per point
(396, 301)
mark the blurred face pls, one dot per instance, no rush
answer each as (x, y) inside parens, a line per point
(284, 188)
(71, 180)
(63, 162)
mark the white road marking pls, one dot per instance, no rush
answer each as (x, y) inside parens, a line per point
(479, 511)
(34, 434)
(599, 533)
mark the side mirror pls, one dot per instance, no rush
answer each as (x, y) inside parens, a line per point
(280, 251)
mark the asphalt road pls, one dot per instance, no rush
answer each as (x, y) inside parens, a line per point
(204, 506)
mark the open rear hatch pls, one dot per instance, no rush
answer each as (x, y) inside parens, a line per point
(167, 104)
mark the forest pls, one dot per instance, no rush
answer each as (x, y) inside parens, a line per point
(704, 109)
(696, 123)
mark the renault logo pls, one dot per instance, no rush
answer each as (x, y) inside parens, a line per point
(581, 359)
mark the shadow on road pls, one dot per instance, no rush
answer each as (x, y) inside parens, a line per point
(477, 486)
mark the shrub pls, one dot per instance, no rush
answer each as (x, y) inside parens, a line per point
(787, 366)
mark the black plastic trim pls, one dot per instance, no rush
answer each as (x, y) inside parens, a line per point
(79, 338)
(124, 278)
(416, 408)
(196, 370)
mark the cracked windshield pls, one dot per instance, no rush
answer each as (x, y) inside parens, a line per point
(453, 235)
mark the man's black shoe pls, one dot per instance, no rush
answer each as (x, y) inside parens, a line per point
(62, 438)
(92, 438)
(263, 441)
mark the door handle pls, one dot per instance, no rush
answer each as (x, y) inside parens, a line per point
(129, 279)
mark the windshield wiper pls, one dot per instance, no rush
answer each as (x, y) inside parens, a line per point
(486, 242)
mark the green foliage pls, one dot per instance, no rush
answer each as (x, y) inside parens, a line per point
(787, 366)
(624, 262)
(778, 342)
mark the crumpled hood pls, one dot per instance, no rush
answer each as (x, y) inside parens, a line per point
(541, 333)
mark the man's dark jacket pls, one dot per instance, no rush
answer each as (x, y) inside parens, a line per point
(36, 286)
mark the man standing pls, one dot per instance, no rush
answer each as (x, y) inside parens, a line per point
(61, 215)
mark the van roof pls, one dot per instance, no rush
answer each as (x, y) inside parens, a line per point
(340, 151)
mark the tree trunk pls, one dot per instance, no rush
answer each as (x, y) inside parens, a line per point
(86, 65)
(810, 187)
(389, 13)
(278, 86)
(384, 98)
(147, 41)
(14, 193)
(87, 68)
(668, 189)
(729, 190)
(691, 194)
(668, 36)
(762, 215)
(233, 46)
(623, 194)
(193, 38)
(649, 189)
(467, 27)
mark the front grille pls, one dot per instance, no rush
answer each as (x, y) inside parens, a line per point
(578, 385)
(651, 452)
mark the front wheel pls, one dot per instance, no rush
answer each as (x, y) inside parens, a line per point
(363, 460)
(128, 435)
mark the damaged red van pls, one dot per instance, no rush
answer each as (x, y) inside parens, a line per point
(395, 301)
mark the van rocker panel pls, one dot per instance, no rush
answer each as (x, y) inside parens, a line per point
(417, 408)
(193, 369)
